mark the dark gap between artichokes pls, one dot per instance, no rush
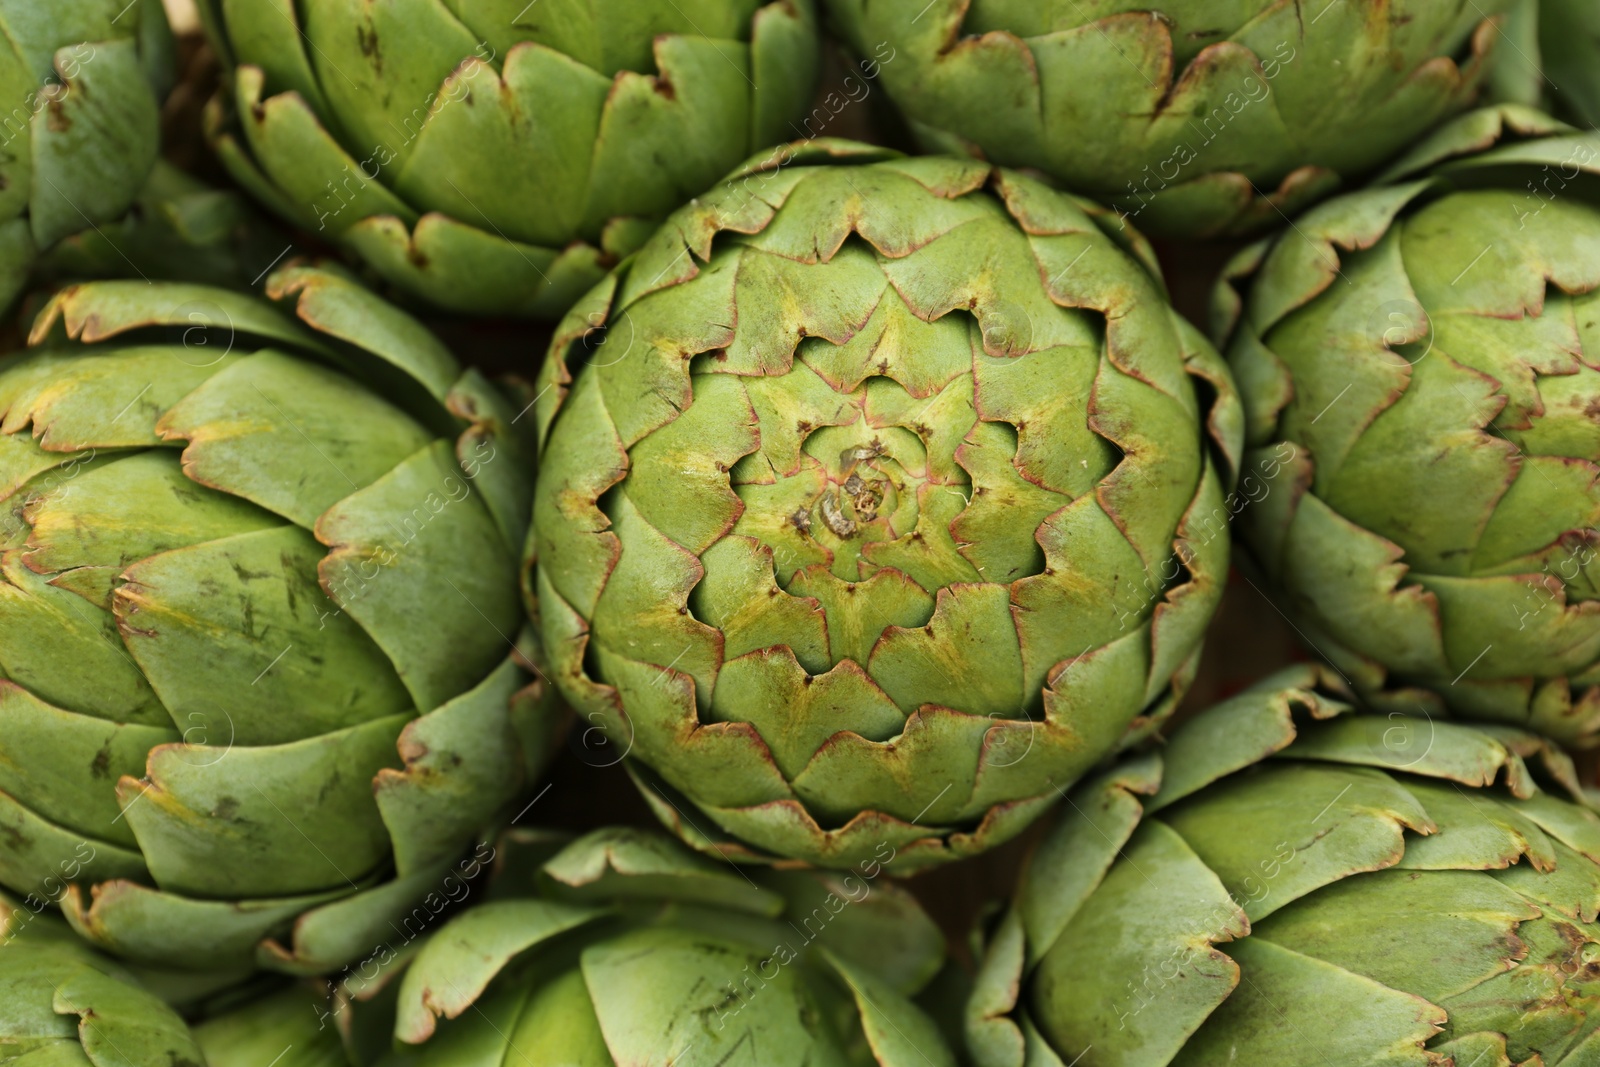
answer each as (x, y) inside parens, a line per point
(847, 573)
(257, 619)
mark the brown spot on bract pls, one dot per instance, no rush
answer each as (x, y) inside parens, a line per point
(367, 39)
(57, 118)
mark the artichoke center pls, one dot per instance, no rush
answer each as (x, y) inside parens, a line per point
(865, 496)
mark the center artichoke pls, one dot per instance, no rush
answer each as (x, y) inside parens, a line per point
(257, 612)
(495, 156)
(879, 499)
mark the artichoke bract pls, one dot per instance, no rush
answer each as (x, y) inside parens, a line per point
(1196, 118)
(82, 83)
(1421, 363)
(286, 1028)
(623, 947)
(257, 619)
(65, 1004)
(497, 156)
(880, 498)
(1290, 881)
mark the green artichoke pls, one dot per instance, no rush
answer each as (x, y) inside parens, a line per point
(178, 229)
(1195, 118)
(288, 1028)
(64, 1005)
(631, 950)
(497, 156)
(1421, 373)
(83, 82)
(1291, 883)
(259, 686)
(880, 498)
(1553, 59)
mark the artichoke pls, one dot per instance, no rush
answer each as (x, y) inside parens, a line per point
(285, 1028)
(1289, 882)
(496, 156)
(880, 498)
(1421, 374)
(178, 229)
(1553, 59)
(258, 602)
(1196, 119)
(65, 1005)
(83, 81)
(630, 949)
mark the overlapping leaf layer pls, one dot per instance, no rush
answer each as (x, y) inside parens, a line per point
(1429, 353)
(1289, 876)
(493, 156)
(256, 620)
(1199, 117)
(880, 498)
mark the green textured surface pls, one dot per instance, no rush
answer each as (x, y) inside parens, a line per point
(884, 507)
(1356, 898)
(259, 690)
(1196, 118)
(488, 160)
(1427, 353)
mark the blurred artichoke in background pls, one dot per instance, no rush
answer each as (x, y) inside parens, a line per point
(256, 619)
(178, 229)
(1552, 58)
(82, 82)
(1197, 118)
(1288, 882)
(626, 948)
(292, 1027)
(1421, 363)
(496, 156)
(880, 498)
